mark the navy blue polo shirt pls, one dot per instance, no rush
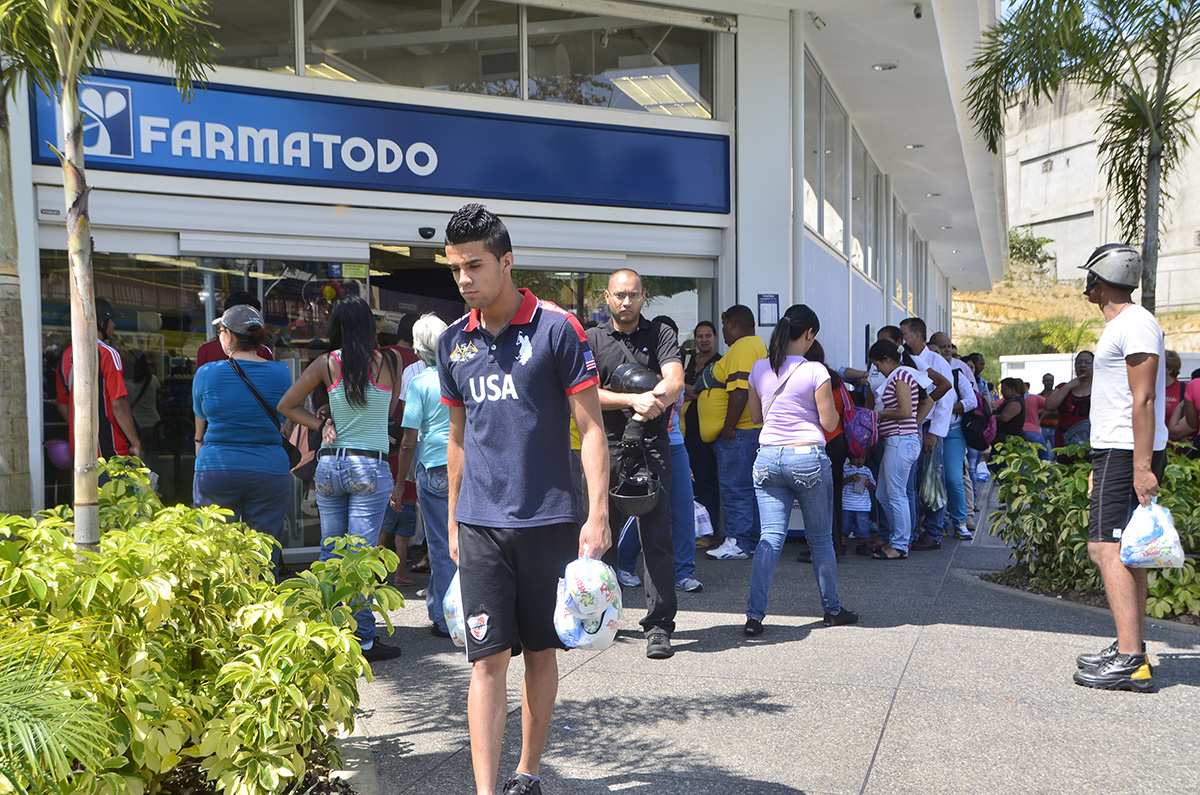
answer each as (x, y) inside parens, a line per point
(514, 386)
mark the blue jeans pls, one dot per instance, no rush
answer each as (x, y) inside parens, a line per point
(256, 498)
(735, 473)
(934, 522)
(899, 456)
(856, 524)
(683, 522)
(781, 475)
(433, 489)
(954, 452)
(1048, 440)
(1038, 439)
(352, 492)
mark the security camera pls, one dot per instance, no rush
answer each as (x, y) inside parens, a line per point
(918, 12)
(427, 232)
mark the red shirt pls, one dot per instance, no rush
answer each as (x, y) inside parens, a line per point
(212, 351)
(112, 439)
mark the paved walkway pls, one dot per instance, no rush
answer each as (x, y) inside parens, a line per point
(947, 685)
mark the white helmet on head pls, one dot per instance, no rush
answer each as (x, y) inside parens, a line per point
(591, 586)
(452, 609)
(595, 634)
(1116, 264)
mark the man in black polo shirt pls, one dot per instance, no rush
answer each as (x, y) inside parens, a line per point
(513, 371)
(627, 337)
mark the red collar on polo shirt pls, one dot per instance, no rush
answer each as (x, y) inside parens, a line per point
(529, 303)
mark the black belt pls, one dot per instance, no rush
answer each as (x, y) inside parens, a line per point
(378, 456)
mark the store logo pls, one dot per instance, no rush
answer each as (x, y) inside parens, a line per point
(108, 120)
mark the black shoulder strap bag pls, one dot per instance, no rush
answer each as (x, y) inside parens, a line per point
(293, 452)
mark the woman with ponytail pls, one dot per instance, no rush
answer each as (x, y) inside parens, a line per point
(353, 480)
(793, 399)
(903, 400)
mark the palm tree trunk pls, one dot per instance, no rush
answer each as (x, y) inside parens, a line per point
(14, 440)
(1150, 234)
(84, 358)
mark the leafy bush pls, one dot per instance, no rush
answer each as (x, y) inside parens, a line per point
(1053, 335)
(1045, 523)
(1024, 247)
(201, 660)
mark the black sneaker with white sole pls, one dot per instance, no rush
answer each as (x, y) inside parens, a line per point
(380, 651)
(658, 645)
(1092, 660)
(1119, 672)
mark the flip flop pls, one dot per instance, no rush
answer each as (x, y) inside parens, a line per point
(881, 555)
(400, 579)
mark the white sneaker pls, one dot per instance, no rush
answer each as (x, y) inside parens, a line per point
(728, 551)
(963, 533)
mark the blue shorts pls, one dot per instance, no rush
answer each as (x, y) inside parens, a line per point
(402, 523)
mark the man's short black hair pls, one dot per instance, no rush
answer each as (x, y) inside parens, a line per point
(740, 315)
(475, 222)
(404, 329)
(241, 298)
(892, 333)
(917, 325)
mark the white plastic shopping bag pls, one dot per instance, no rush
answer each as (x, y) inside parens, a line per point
(703, 521)
(1150, 541)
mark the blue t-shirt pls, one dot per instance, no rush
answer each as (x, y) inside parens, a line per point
(425, 412)
(239, 434)
(514, 386)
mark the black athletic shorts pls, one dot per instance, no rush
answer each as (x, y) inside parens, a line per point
(509, 580)
(1113, 497)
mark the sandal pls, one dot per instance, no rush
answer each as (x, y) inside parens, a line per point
(883, 555)
(401, 580)
(866, 550)
(422, 567)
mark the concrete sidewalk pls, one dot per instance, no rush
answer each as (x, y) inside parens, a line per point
(946, 685)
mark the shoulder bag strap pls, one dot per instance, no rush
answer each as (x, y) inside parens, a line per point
(778, 389)
(262, 401)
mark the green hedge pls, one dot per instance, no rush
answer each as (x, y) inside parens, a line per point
(200, 659)
(1045, 520)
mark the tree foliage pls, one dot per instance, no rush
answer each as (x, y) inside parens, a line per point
(1126, 53)
(1027, 337)
(1024, 247)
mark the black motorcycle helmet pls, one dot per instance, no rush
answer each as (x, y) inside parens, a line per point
(633, 379)
(636, 495)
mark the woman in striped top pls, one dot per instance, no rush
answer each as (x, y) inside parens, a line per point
(899, 433)
(353, 480)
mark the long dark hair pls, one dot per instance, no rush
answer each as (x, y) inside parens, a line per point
(884, 350)
(816, 353)
(797, 320)
(352, 328)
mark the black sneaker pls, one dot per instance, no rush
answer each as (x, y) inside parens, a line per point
(520, 785)
(381, 651)
(438, 632)
(753, 627)
(1092, 660)
(1119, 672)
(658, 645)
(840, 618)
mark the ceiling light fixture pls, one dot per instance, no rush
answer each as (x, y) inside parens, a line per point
(933, 195)
(944, 228)
(914, 146)
(883, 67)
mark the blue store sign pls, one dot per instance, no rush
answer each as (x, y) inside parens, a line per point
(140, 124)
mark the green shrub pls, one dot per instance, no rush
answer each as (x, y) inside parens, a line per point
(201, 659)
(1045, 523)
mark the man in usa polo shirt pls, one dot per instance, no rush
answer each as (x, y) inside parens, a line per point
(513, 371)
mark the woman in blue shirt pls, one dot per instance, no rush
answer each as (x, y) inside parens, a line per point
(427, 419)
(240, 460)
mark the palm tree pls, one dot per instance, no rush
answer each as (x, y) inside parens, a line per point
(1127, 53)
(52, 43)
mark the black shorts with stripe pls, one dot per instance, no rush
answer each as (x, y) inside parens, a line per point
(509, 579)
(1113, 497)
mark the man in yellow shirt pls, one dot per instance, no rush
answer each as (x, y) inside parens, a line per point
(725, 419)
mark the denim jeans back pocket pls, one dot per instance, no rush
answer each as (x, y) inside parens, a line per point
(438, 480)
(323, 480)
(361, 477)
(807, 473)
(761, 473)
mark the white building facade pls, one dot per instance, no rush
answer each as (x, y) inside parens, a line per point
(763, 153)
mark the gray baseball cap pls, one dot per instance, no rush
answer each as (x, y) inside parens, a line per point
(241, 319)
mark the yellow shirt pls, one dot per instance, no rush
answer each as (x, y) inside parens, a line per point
(734, 369)
(576, 444)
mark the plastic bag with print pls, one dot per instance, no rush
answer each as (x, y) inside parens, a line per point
(1150, 541)
(453, 611)
(590, 588)
(591, 634)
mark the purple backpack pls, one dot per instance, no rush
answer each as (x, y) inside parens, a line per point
(860, 426)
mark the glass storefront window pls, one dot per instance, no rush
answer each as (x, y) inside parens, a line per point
(812, 144)
(860, 203)
(836, 156)
(633, 65)
(900, 248)
(467, 47)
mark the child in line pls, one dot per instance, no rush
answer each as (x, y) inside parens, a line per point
(856, 502)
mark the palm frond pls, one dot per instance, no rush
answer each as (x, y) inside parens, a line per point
(46, 730)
